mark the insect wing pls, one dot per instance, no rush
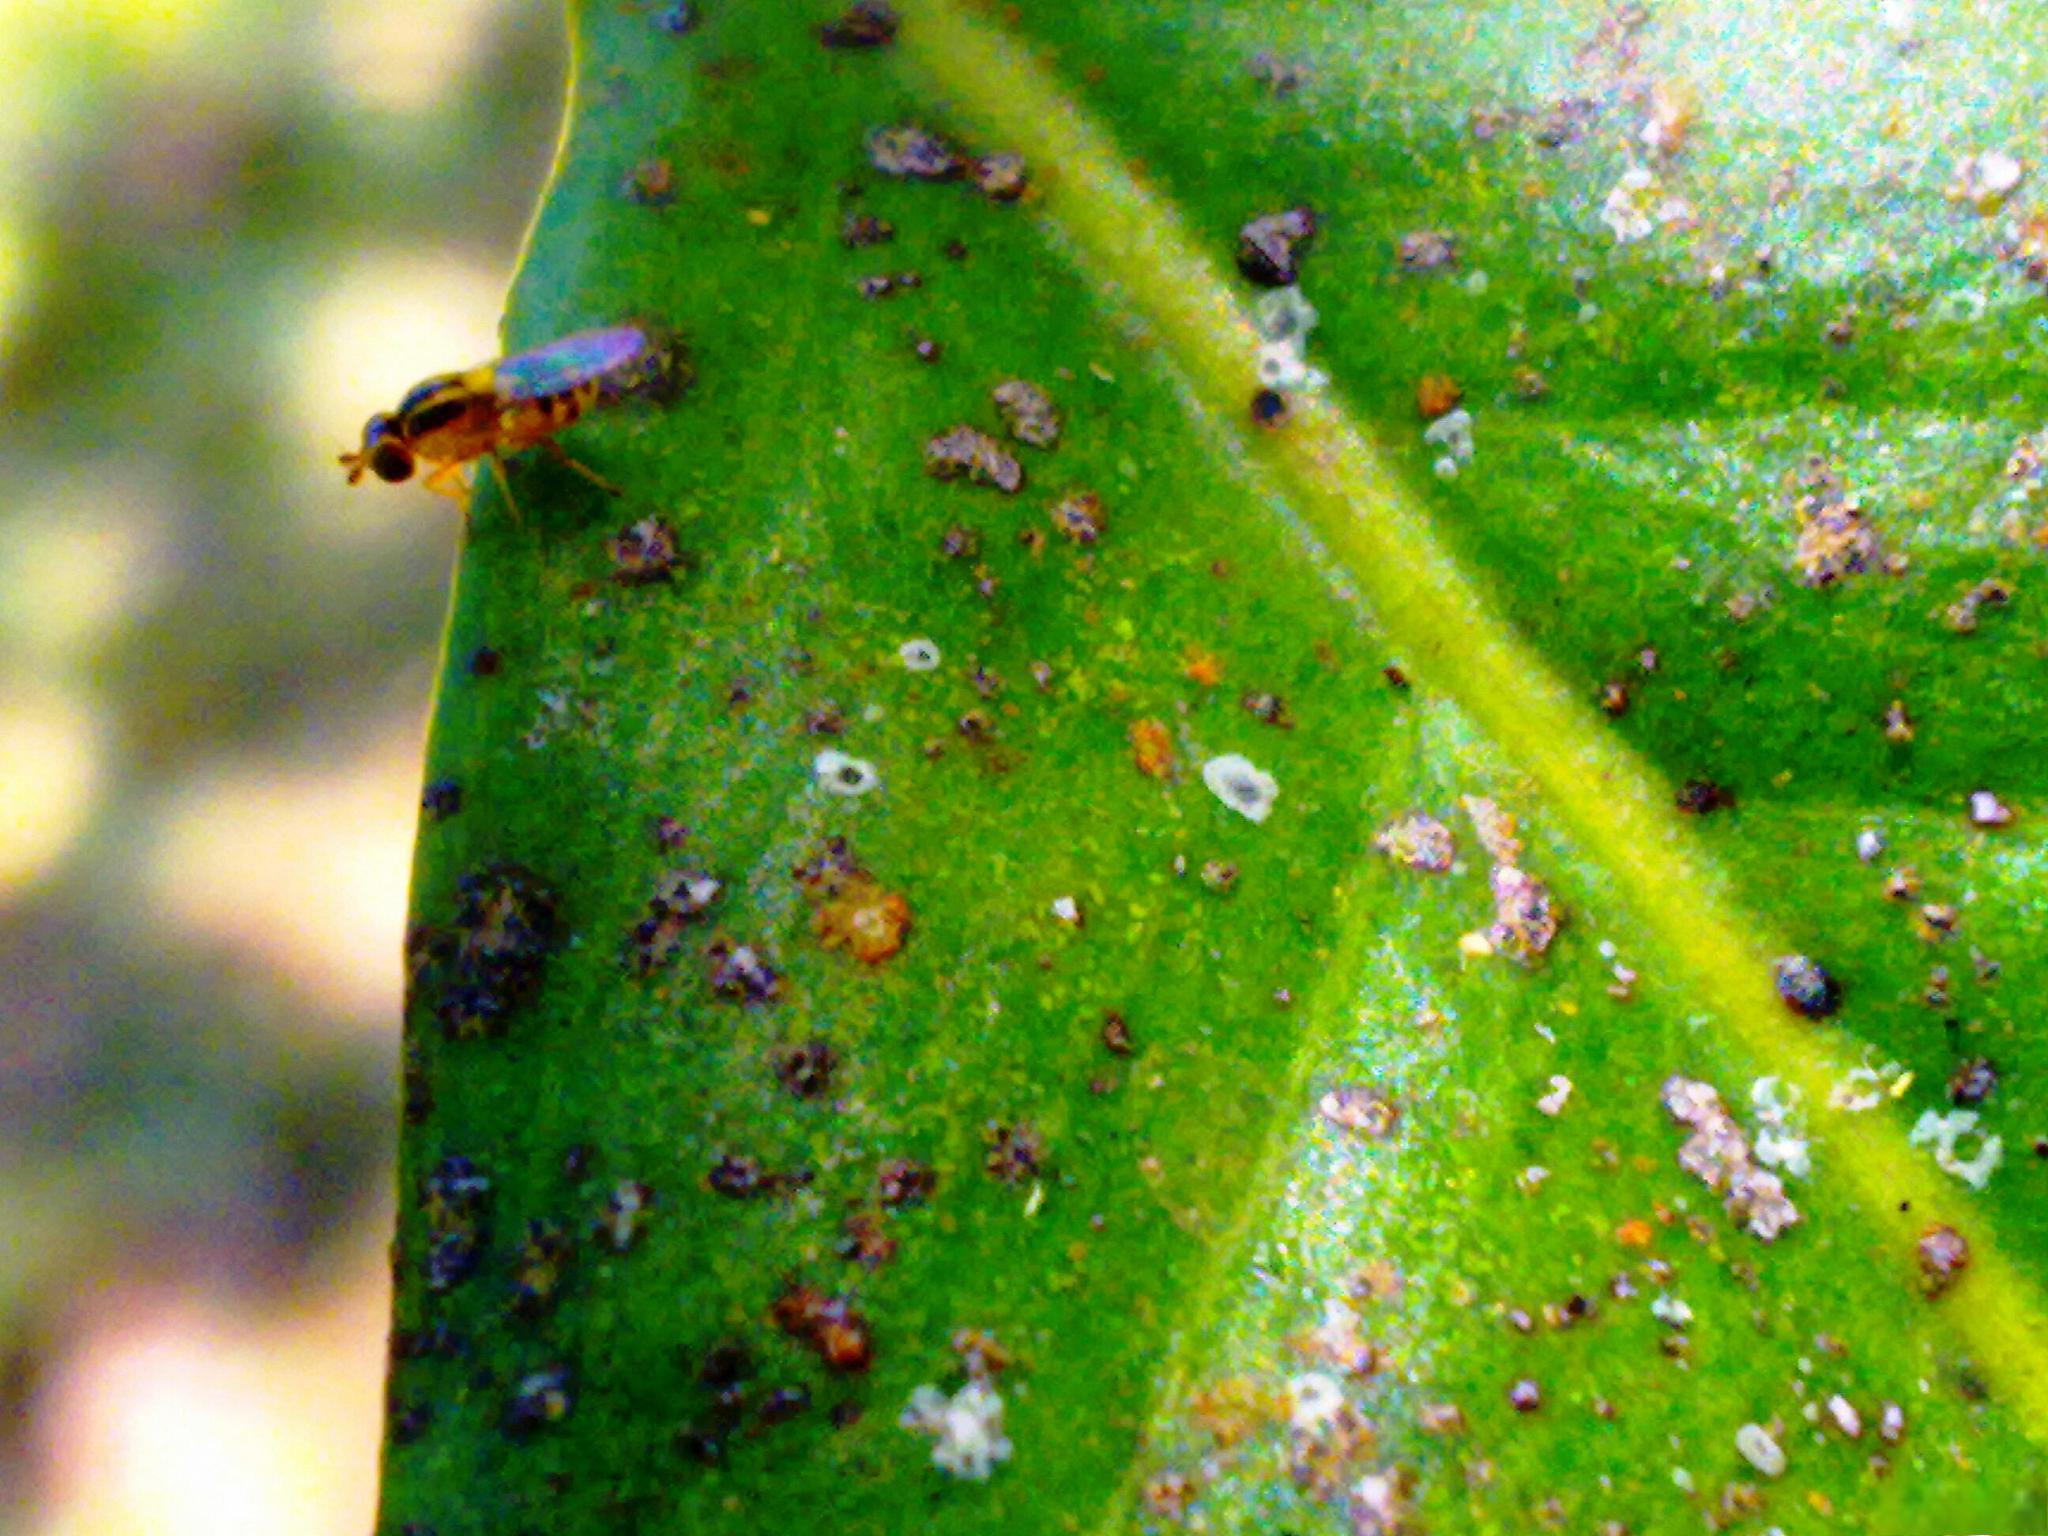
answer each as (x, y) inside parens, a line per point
(620, 359)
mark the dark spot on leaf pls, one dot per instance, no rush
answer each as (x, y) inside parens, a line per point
(644, 554)
(540, 1399)
(456, 1200)
(865, 229)
(865, 24)
(1807, 990)
(807, 1070)
(441, 799)
(1270, 409)
(828, 1325)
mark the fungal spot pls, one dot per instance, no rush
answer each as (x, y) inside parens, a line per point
(1268, 709)
(860, 230)
(682, 897)
(1419, 842)
(918, 655)
(966, 1429)
(1369, 1114)
(738, 1178)
(927, 350)
(807, 1070)
(1001, 178)
(902, 1181)
(1270, 247)
(1718, 1155)
(968, 453)
(1081, 517)
(679, 17)
(1116, 1034)
(1427, 250)
(1013, 1153)
(1945, 1133)
(1703, 797)
(485, 662)
(1241, 785)
(506, 925)
(538, 1267)
(913, 154)
(1963, 614)
(1028, 413)
(456, 1199)
(838, 774)
(652, 183)
(739, 972)
(540, 1400)
(827, 1325)
(1943, 1254)
(625, 1214)
(1152, 749)
(864, 1241)
(1219, 875)
(1836, 539)
(1805, 988)
(854, 911)
(1973, 1082)
(865, 24)
(1525, 1396)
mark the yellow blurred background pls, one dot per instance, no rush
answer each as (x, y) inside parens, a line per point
(229, 230)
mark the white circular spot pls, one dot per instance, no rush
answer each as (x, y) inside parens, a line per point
(839, 774)
(1241, 785)
(919, 655)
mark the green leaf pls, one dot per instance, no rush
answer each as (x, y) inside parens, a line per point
(1285, 1206)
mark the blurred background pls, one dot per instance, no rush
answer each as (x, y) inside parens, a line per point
(229, 230)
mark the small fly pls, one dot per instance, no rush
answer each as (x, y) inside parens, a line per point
(516, 402)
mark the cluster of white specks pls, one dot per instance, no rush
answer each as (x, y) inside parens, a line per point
(1636, 206)
(1452, 432)
(1865, 1087)
(1315, 1401)
(1869, 844)
(1284, 321)
(1760, 1450)
(1553, 1102)
(1781, 1128)
(1985, 180)
(1242, 785)
(919, 655)
(1719, 1156)
(838, 774)
(966, 1429)
(1670, 1311)
(1067, 910)
(1945, 1133)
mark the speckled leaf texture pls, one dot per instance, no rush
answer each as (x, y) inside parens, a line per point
(993, 1128)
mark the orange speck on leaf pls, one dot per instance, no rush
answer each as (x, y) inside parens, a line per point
(1634, 1233)
(1152, 749)
(1202, 667)
(865, 920)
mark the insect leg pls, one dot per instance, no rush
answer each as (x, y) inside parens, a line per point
(584, 470)
(504, 485)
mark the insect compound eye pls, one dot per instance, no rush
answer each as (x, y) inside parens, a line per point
(391, 461)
